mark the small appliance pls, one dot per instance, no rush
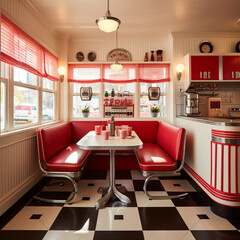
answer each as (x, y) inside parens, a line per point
(214, 106)
(190, 105)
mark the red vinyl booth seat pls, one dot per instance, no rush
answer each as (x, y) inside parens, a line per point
(57, 151)
(154, 158)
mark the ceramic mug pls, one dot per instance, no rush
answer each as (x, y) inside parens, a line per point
(105, 135)
(117, 128)
(98, 129)
(129, 131)
(123, 133)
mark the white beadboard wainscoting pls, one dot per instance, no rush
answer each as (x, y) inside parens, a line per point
(19, 170)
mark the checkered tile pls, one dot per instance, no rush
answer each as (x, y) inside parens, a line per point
(186, 219)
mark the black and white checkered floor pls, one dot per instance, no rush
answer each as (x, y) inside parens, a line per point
(185, 219)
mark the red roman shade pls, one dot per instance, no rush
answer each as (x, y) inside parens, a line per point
(84, 73)
(21, 50)
(153, 73)
(51, 66)
(128, 74)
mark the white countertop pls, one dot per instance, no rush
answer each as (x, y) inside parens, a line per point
(91, 141)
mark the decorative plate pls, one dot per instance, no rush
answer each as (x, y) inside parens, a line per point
(91, 56)
(206, 47)
(80, 56)
(119, 54)
(238, 47)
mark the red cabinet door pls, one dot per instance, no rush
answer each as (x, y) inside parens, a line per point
(231, 67)
(205, 68)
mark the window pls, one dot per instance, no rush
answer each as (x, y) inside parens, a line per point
(48, 100)
(120, 88)
(146, 104)
(93, 104)
(3, 105)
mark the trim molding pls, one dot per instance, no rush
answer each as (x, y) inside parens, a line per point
(12, 197)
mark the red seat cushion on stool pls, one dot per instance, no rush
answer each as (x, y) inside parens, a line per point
(153, 158)
(70, 159)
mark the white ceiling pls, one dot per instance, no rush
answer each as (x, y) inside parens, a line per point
(140, 18)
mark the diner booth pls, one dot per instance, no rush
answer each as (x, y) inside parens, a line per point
(146, 151)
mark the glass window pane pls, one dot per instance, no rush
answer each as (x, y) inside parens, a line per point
(25, 106)
(120, 88)
(23, 76)
(48, 84)
(4, 70)
(146, 104)
(3, 106)
(78, 105)
(95, 87)
(48, 106)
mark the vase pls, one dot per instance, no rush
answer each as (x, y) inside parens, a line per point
(85, 114)
(146, 57)
(152, 55)
(159, 55)
(154, 114)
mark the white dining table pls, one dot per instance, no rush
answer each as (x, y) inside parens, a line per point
(91, 141)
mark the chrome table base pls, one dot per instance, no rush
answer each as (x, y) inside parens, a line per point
(112, 191)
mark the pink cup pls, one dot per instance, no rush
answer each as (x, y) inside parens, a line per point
(129, 131)
(105, 135)
(117, 128)
(124, 126)
(123, 133)
(98, 129)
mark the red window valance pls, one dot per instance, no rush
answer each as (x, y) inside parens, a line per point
(128, 74)
(21, 50)
(84, 73)
(51, 66)
(152, 73)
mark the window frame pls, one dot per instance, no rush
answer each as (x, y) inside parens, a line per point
(10, 83)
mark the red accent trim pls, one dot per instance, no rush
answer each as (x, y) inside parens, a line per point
(211, 165)
(154, 81)
(229, 168)
(222, 176)
(236, 169)
(215, 192)
(215, 177)
(119, 81)
(84, 81)
(226, 134)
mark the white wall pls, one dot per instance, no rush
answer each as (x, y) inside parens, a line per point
(19, 169)
(137, 48)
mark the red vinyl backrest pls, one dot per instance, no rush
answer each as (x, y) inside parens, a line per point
(53, 139)
(81, 128)
(146, 130)
(171, 139)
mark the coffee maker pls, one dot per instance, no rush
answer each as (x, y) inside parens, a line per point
(189, 104)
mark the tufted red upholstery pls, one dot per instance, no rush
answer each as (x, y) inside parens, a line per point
(171, 139)
(153, 158)
(146, 130)
(70, 159)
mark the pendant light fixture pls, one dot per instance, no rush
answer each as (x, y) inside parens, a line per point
(108, 23)
(116, 66)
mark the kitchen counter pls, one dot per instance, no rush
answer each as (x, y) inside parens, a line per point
(219, 121)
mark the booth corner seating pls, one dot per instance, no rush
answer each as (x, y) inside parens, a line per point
(59, 156)
(162, 153)
(165, 157)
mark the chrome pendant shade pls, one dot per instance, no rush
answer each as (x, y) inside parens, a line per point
(108, 23)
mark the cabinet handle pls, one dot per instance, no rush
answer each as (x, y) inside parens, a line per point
(209, 75)
(205, 75)
(200, 75)
(237, 74)
(232, 75)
